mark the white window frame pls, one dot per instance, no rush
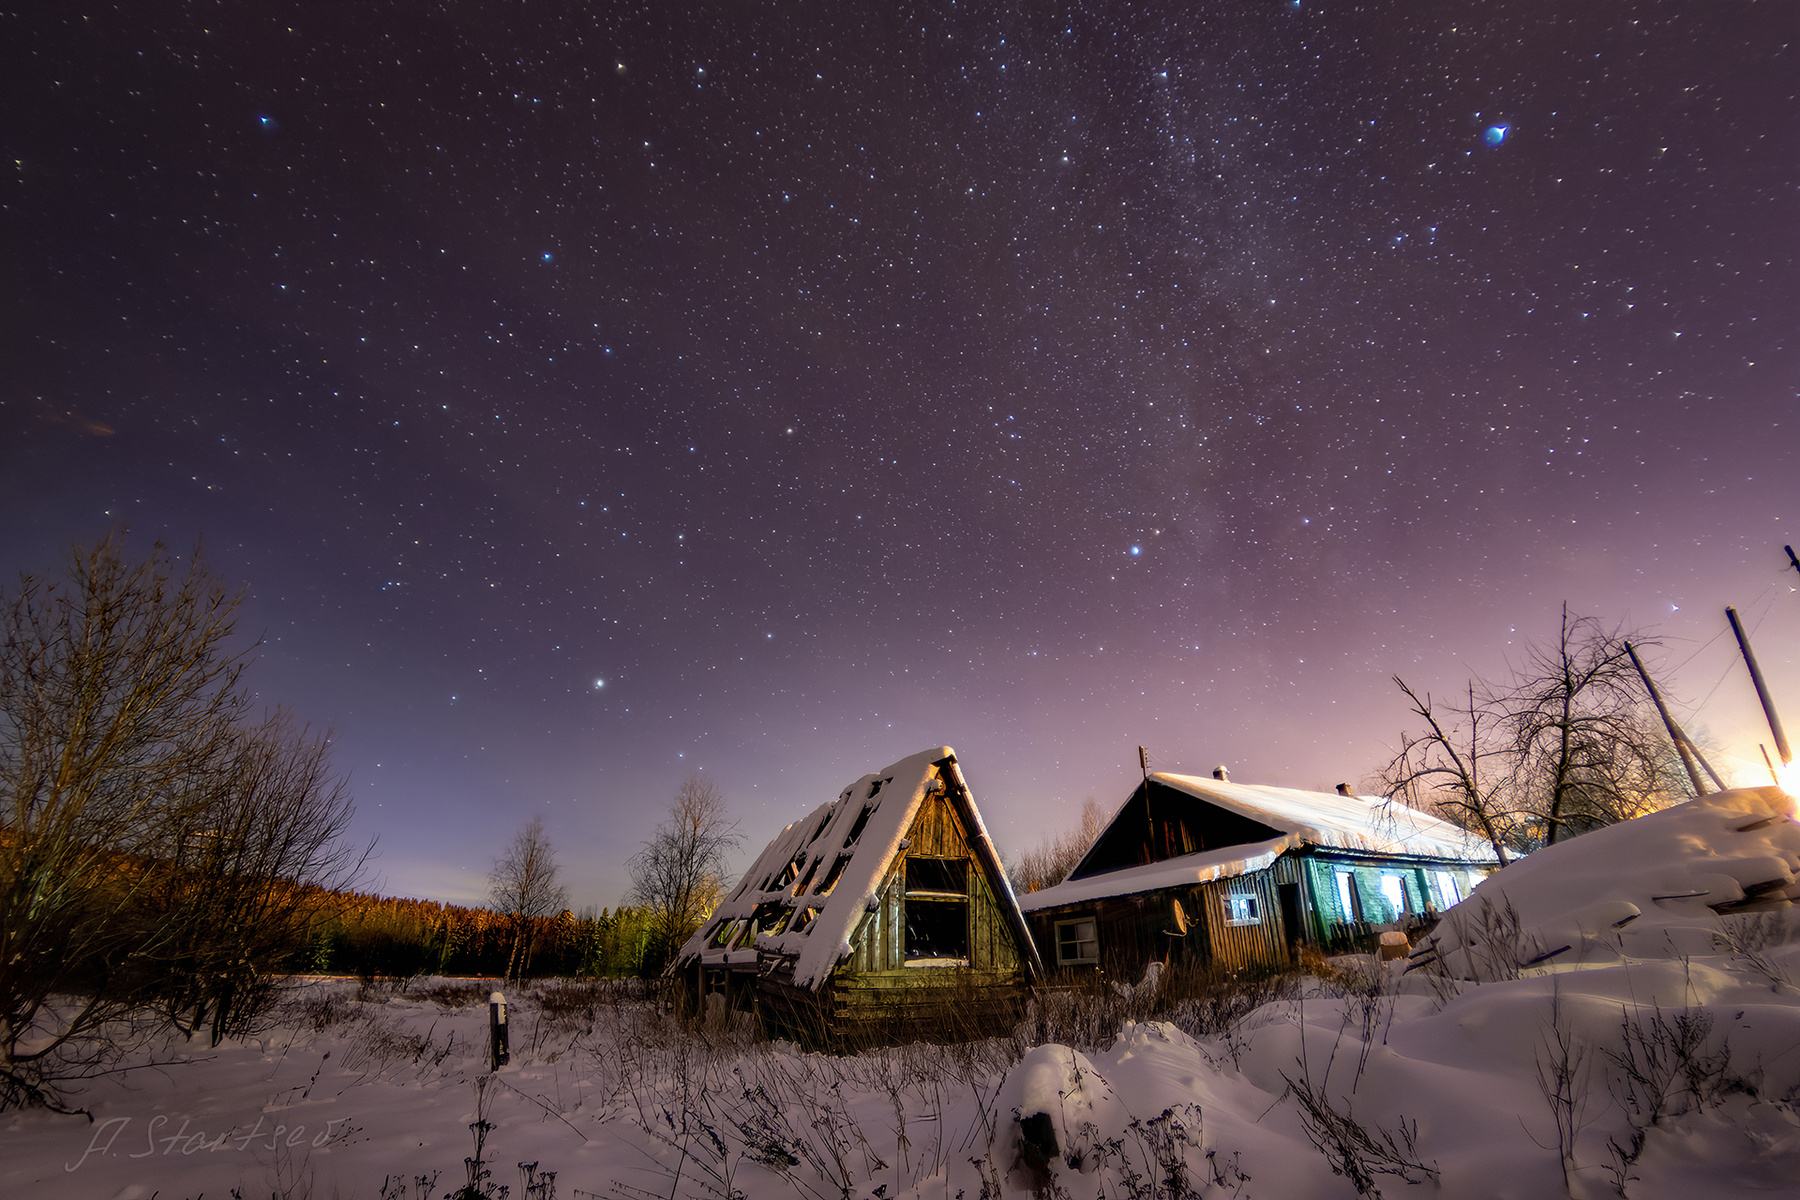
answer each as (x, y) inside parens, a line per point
(1093, 939)
(1243, 908)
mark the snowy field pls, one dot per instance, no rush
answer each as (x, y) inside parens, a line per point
(1659, 1064)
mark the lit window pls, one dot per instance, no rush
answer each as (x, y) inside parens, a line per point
(1077, 943)
(1241, 908)
(1451, 887)
(1349, 903)
(1393, 890)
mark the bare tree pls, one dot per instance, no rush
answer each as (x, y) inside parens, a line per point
(679, 874)
(1568, 745)
(1451, 770)
(523, 885)
(146, 826)
(1588, 748)
(1050, 862)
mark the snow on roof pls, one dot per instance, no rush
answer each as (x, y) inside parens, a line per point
(1153, 876)
(1360, 823)
(864, 825)
(1651, 887)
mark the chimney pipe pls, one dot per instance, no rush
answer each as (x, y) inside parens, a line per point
(1221, 774)
(1343, 789)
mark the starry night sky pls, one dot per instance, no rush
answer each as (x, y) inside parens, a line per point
(592, 394)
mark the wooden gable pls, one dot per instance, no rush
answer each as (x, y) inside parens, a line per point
(1160, 822)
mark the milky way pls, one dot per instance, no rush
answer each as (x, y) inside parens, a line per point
(593, 394)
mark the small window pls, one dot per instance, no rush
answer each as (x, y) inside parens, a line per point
(1241, 908)
(1077, 943)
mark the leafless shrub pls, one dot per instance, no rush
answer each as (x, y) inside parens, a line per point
(1664, 1067)
(1564, 1069)
(1360, 1152)
(1750, 939)
(323, 1009)
(454, 994)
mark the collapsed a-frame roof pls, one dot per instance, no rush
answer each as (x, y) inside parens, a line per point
(828, 869)
(1273, 821)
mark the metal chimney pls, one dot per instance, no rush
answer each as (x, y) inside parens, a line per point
(1221, 774)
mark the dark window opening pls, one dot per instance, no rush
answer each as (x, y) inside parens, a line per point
(945, 875)
(830, 880)
(937, 929)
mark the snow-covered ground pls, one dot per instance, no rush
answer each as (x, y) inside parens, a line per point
(1671, 1069)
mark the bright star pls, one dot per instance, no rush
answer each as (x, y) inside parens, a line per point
(1495, 134)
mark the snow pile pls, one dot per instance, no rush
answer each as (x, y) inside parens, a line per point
(1654, 887)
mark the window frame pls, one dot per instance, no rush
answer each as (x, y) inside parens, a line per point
(1251, 904)
(1091, 960)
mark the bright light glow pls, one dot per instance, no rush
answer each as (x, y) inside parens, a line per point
(1789, 777)
(599, 683)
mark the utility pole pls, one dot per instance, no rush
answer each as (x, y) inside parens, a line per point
(1684, 746)
(1762, 689)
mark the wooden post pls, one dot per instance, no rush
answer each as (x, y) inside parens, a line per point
(1762, 690)
(499, 1052)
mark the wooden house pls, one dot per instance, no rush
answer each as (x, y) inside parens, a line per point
(1244, 875)
(883, 915)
